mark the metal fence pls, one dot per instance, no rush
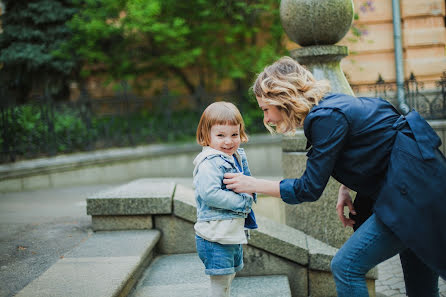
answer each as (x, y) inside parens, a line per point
(45, 127)
(427, 97)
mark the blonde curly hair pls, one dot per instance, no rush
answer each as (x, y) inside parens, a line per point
(292, 89)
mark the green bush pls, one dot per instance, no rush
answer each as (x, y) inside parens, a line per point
(42, 129)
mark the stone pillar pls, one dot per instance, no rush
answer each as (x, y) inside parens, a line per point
(316, 26)
(324, 62)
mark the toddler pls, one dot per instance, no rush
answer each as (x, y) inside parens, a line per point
(222, 215)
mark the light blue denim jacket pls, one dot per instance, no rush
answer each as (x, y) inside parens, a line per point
(214, 201)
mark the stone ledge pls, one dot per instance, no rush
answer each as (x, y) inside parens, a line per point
(281, 240)
(77, 160)
(273, 237)
(107, 264)
(113, 223)
(140, 197)
(181, 275)
(184, 205)
(69, 162)
(295, 143)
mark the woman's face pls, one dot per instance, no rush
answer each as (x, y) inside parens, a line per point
(271, 113)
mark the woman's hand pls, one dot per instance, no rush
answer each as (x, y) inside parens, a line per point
(240, 183)
(344, 199)
(247, 184)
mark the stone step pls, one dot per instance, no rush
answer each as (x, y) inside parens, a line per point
(182, 275)
(106, 264)
(130, 206)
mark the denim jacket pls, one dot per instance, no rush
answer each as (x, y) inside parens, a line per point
(214, 201)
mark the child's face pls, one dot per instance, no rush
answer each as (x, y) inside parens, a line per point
(225, 138)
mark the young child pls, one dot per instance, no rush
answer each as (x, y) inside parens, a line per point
(222, 215)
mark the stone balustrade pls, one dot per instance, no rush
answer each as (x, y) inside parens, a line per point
(274, 248)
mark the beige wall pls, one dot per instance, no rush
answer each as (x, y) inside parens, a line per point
(423, 37)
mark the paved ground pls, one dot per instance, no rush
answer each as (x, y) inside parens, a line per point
(391, 281)
(37, 228)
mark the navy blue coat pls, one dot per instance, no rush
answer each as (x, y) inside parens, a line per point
(366, 145)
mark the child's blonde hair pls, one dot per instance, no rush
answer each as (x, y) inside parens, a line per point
(292, 89)
(219, 113)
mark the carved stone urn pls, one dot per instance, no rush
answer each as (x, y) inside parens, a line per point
(316, 22)
(317, 25)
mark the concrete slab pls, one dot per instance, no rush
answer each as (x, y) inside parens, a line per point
(106, 264)
(142, 196)
(261, 263)
(184, 205)
(280, 240)
(79, 277)
(261, 286)
(178, 235)
(113, 223)
(321, 254)
(183, 276)
(116, 244)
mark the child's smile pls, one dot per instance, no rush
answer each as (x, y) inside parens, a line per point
(225, 138)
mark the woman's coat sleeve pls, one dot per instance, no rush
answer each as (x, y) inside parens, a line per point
(328, 131)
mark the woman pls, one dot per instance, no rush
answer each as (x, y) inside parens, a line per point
(391, 161)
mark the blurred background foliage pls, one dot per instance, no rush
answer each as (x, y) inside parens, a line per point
(199, 48)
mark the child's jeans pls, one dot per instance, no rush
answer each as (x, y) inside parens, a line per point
(370, 245)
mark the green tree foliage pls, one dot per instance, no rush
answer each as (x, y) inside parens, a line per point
(32, 31)
(213, 40)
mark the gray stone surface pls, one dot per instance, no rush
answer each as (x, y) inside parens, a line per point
(280, 240)
(318, 219)
(113, 244)
(36, 229)
(184, 205)
(11, 185)
(321, 284)
(270, 236)
(261, 286)
(104, 265)
(78, 277)
(295, 143)
(324, 65)
(391, 280)
(321, 254)
(111, 223)
(314, 22)
(259, 262)
(178, 235)
(126, 164)
(47, 224)
(140, 197)
(183, 276)
(320, 54)
(276, 238)
(294, 164)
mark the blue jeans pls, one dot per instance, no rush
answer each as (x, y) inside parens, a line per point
(370, 245)
(219, 259)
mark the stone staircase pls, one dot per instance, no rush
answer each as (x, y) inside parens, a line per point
(144, 245)
(106, 264)
(182, 275)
